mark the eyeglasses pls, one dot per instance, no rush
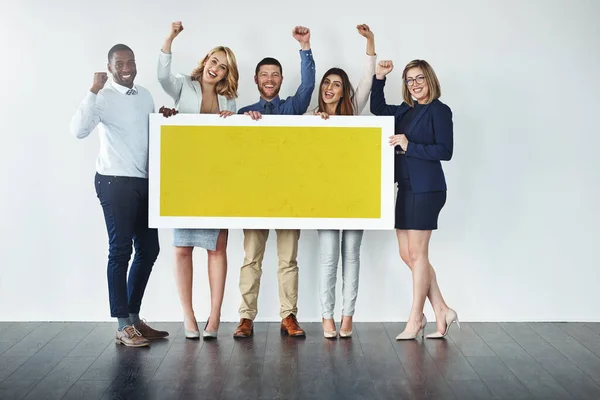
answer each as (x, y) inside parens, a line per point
(419, 79)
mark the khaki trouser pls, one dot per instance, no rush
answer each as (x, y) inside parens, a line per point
(287, 251)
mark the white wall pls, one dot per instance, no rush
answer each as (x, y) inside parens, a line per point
(518, 237)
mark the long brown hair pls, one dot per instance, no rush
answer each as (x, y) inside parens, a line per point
(345, 105)
(435, 91)
(227, 86)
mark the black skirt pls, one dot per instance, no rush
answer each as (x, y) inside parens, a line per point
(416, 211)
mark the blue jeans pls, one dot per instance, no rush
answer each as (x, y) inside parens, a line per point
(329, 251)
(124, 201)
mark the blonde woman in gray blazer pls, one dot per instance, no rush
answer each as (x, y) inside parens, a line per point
(211, 88)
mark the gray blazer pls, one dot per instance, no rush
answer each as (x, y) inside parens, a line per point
(186, 92)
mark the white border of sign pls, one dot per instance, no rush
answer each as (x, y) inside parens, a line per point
(387, 174)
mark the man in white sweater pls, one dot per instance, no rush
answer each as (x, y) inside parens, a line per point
(121, 112)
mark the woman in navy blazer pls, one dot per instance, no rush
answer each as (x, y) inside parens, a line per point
(423, 138)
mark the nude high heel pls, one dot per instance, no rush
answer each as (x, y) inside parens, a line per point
(329, 334)
(345, 334)
(451, 317)
(410, 335)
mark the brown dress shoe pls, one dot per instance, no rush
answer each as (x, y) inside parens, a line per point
(131, 337)
(290, 326)
(244, 329)
(150, 333)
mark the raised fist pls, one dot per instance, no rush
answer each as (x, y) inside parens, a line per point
(100, 79)
(301, 34)
(176, 28)
(365, 31)
(384, 67)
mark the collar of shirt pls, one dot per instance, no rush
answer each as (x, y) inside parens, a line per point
(124, 89)
(275, 102)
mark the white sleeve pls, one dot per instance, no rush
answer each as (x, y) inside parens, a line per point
(361, 95)
(88, 115)
(171, 84)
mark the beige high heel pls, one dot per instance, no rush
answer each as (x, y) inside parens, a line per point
(329, 334)
(345, 334)
(451, 317)
(413, 335)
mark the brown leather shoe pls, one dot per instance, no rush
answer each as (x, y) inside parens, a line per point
(290, 326)
(150, 333)
(131, 337)
(245, 329)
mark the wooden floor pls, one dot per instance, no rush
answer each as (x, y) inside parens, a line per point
(482, 361)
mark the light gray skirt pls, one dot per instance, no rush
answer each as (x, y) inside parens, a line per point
(205, 238)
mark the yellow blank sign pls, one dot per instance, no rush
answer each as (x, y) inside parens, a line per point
(270, 171)
(280, 172)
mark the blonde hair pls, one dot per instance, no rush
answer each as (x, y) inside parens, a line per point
(435, 91)
(227, 86)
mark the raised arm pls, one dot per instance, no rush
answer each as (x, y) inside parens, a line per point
(89, 113)
(444, 137)
(378, 104)
(363, 89)
(301, 99)
(170, 83)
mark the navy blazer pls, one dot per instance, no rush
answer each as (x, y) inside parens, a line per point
(430, 139)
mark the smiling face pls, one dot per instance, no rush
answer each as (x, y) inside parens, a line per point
(215, 68)
(268, 80)
(417, 84)
(332, 89)
(336, 93)
(420, 83)
(122, 68)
